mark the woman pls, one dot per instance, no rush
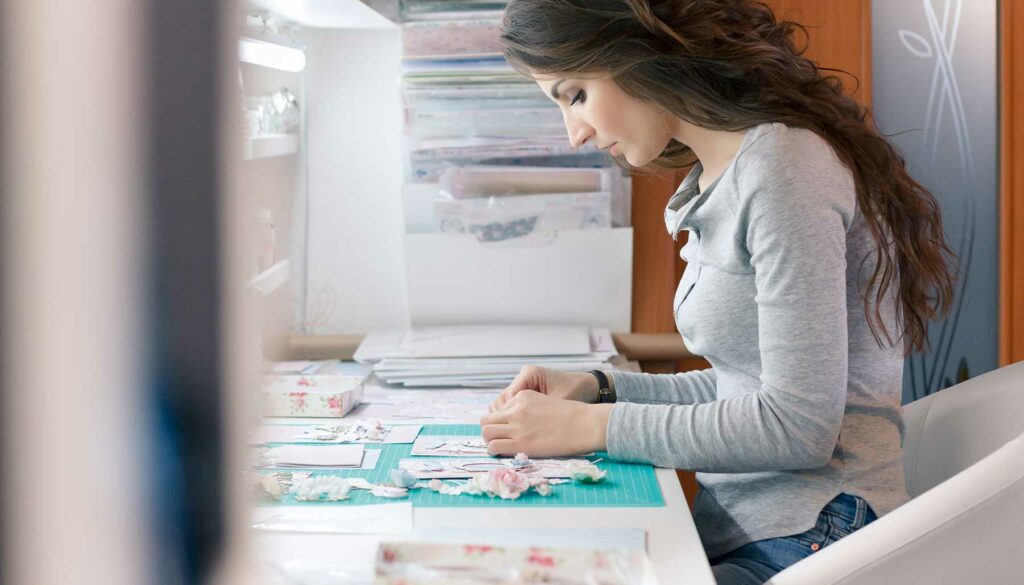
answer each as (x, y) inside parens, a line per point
(814, 262)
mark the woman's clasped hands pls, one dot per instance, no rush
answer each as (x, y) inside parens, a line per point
(547, 413)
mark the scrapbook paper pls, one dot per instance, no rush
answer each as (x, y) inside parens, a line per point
(459, 446)
(464, 467)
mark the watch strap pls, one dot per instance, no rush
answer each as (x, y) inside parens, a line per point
(605, 393)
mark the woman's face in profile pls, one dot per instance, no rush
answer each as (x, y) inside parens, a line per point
(596, 110)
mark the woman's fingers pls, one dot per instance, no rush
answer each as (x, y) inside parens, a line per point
(496, 431)
(493, 418)
(503, 447)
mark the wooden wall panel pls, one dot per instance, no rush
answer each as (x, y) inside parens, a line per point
(839, 37)
(1011, 264)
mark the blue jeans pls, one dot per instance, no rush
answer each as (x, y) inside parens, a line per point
(755, 563)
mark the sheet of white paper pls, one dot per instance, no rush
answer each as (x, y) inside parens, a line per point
(319, 456)
(450, 446)
(463, 467)
(394, 518)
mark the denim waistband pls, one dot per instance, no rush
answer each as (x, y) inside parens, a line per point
(852, 509)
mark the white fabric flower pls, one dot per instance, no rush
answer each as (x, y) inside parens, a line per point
(584, 471)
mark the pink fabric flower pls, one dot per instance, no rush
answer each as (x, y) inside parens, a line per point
(507, 484)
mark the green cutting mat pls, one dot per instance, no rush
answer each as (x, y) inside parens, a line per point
(626, 484)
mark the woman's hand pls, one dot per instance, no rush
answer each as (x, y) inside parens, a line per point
(580, 386)
(543, 426)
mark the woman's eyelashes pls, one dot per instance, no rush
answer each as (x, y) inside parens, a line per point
(581, 96)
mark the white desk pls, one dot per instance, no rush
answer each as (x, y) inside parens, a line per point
(672, 541)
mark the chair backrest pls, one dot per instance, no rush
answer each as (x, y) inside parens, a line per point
(965, 530)
(951, 430)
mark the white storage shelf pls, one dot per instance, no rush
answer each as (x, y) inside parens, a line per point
(268, 146)
(270, 279)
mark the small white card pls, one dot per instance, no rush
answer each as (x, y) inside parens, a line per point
(450, 446)
(466, 467)
(319, 456)
(370, 458)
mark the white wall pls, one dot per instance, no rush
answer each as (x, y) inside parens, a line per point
(356, 275)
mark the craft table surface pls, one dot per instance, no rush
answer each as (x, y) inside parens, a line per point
(672, 540)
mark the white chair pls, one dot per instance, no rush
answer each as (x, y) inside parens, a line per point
(964, 464)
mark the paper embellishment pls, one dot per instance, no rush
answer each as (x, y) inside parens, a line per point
(465, 467)
(361, 432)
(467, 446)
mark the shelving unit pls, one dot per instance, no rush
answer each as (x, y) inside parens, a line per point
(270, 279)
(272, 55)
(268, 146)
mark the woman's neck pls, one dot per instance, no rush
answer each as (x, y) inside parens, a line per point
(714, 148)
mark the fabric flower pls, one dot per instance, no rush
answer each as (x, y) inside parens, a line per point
(321, 487)
(520, 461)
(584, 471)
(507, 484)
(402, 478)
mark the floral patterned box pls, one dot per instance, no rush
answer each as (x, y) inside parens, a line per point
(312, 395)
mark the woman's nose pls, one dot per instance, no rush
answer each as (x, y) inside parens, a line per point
(579, 133)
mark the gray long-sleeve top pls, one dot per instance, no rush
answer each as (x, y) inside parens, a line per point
(801, 403)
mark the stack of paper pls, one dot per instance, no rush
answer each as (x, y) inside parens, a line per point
(481, 356)
(464, 103)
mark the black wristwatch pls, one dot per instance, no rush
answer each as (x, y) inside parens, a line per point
(605, 394)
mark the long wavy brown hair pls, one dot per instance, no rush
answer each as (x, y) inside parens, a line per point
(730, 65)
